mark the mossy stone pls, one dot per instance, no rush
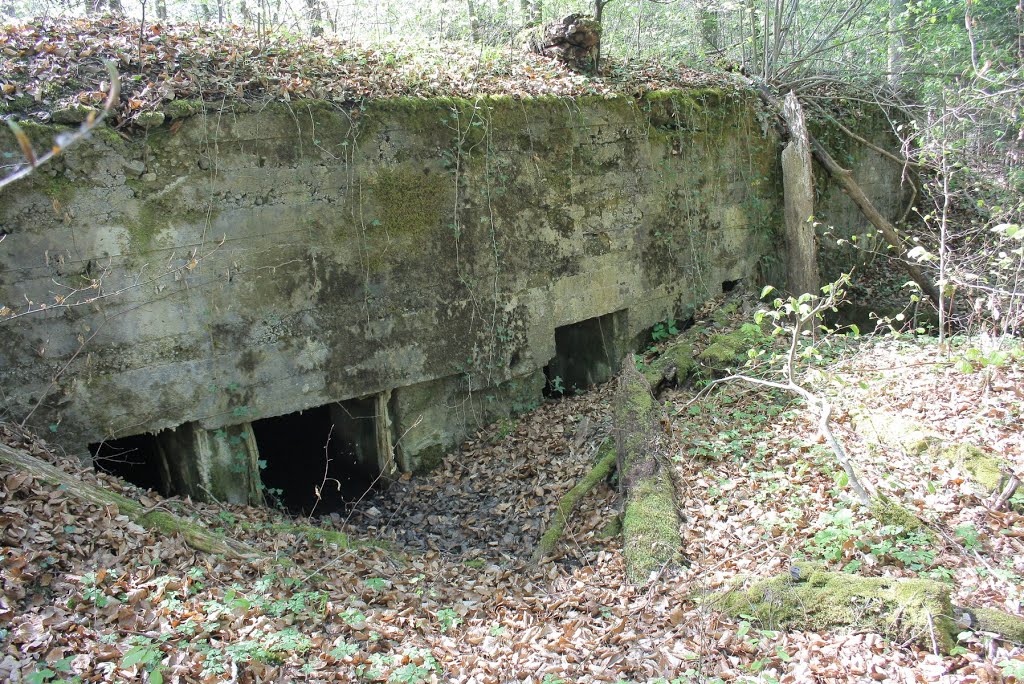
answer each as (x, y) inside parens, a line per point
(150, 119)
(180, 109)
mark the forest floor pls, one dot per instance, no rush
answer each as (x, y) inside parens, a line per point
(431, 580)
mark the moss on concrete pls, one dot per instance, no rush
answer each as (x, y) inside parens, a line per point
(678, 355)
(57, 188)
(730, 349)
(429, 458)
(179, 109)
(902, 609)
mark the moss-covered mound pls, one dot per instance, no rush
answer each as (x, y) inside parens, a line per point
(818, 600)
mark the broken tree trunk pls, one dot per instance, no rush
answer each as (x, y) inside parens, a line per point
(194, 534)
(650, 522)
(798, 194)
(845, 179)
(575, 41)
(602, 469)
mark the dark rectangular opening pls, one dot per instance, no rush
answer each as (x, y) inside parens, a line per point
(586, 353)
(135, 459)
(329, 449)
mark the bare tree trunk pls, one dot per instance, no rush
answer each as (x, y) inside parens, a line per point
(161, 9)
(845, 179)
(315, 15)
(599, 6)
(757, 53)
(474, 21)
(897, 10)
(708, 21)
(798, 184)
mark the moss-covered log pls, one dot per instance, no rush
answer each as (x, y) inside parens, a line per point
(811, 598)
(903, 609)
(650, 524)
(603, 467)
(989, 472)
(194, 534)
(673, 366)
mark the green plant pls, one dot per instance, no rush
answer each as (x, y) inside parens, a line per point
(555, 385)
(376, 583)
(1013, 668)
(844, 540)
(92, 592)
(53, 676)
(968, 536)
(448, 619)
(664, 330)
(148, 655)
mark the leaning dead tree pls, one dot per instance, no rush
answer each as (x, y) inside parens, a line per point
(798, 185)
(575, 41)
(846, 181)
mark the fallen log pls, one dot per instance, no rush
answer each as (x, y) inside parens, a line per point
(651, 521)
(601, 470)
(903, 609)
(194, 534)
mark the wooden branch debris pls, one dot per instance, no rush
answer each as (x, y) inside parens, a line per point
(651, 521)
(603, 467)
(194, 534)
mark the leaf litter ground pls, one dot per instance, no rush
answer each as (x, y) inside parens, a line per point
(433, 582)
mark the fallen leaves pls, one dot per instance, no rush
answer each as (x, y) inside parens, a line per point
(84, 589)
(51, 63)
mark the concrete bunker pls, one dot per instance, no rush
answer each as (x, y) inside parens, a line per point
(587, 353)
(339, 450)
(135, 459)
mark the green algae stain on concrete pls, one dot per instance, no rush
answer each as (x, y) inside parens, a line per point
(412, 207)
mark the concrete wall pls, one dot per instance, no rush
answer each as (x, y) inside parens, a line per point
(256, 261)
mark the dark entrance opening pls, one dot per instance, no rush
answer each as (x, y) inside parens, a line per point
(730, 285)
(586, 353)
(135, 459)
(328, 449)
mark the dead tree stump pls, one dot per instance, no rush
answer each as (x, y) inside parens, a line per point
(575, 41)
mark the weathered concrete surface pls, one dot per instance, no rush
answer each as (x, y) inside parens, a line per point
(258, 261)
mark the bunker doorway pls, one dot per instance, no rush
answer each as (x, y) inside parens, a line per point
(334, 450)
(586, 353)
(135, 459)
